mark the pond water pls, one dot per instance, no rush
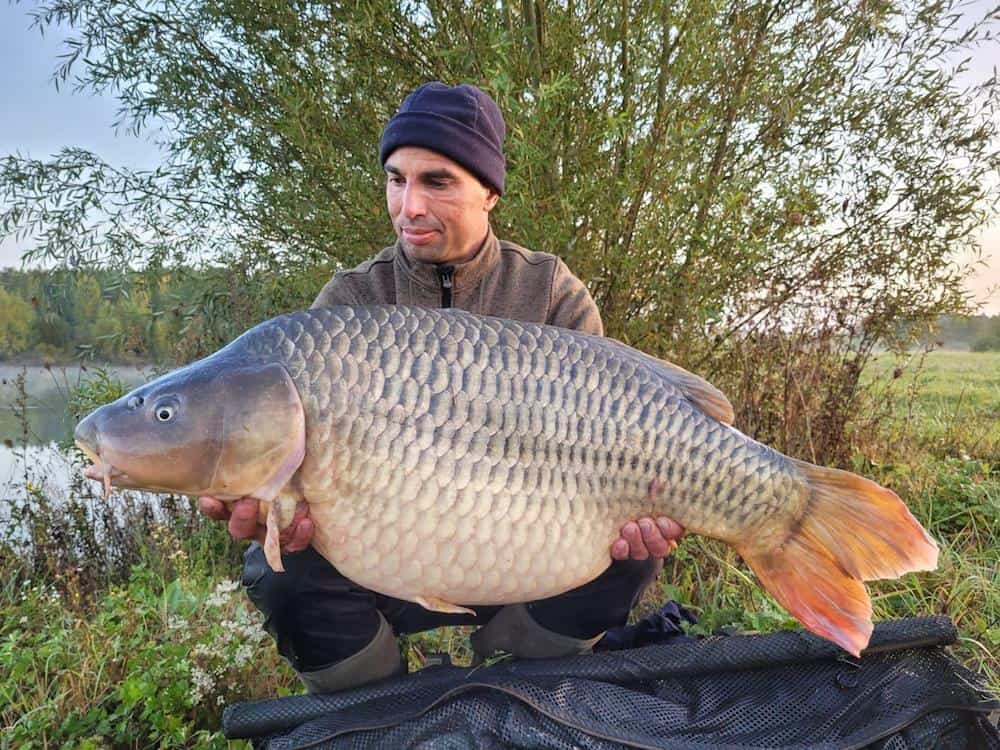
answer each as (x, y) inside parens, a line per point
(34, 420)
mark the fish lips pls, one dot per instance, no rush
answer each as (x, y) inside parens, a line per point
(101, 471)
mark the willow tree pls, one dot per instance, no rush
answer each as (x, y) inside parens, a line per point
(717, 172)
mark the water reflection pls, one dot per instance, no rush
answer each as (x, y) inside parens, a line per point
(34, 399)
(34, 421)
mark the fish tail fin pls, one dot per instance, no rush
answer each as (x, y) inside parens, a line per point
(852, 530)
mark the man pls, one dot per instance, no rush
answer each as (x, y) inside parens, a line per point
(445, 168)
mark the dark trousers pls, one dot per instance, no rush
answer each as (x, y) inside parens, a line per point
(318, 617)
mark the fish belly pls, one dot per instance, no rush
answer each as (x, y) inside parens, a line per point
(482, 461)
(453, 459)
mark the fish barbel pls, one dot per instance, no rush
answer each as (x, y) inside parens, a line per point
(452, 459)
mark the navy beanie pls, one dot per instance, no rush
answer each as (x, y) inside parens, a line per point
(460, 122)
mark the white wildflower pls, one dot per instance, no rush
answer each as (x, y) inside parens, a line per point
(244, 654)
(217, 600)
(202, 684)
(175, 622)
(252, 633)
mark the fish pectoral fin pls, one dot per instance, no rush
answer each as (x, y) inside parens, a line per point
(272, 541)
(434, 604)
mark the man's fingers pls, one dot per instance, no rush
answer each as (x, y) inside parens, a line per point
(243, 519)
(632, 535)
(214, 509)
(647, 537)
(670, 529)
(652, 537)
(619, 550)
(296, 536)
(302, 533)
(244, 524)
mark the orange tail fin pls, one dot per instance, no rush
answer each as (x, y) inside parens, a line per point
(853, 530)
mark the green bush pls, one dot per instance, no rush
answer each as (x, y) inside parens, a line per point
(153, 664)
(989, 343)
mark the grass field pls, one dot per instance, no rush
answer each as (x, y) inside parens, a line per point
(156, 655)
(957, 409)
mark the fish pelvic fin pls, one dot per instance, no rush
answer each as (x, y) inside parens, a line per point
(435, 604)
(852, 530)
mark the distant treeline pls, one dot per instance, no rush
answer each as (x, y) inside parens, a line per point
(161, 317)
(59, 315)
(978, 333)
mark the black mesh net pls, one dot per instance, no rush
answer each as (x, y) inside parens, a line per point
(786, 690)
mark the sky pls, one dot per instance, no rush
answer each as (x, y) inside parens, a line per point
(39, 120)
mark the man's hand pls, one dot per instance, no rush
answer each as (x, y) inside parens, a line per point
(646, 538)
(243, 523)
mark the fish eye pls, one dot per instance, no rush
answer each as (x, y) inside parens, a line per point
(165, 412)
(135, 402)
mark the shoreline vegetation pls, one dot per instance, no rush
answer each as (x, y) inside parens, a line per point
(122, 623)
(136, 319)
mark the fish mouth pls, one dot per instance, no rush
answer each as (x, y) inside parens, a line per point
(103, 471)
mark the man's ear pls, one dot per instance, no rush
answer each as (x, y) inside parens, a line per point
(492, 196)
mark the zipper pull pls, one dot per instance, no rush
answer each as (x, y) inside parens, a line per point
(446, 272)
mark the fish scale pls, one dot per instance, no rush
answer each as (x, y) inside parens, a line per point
(453, 459)
(575, 499)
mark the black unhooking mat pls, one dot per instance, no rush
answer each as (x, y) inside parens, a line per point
(785, 690)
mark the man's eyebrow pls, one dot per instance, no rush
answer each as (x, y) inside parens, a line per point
(438, 174)
(443, 173)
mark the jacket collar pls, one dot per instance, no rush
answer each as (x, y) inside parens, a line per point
(464, 276)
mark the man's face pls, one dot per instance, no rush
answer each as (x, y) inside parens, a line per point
(439, 209)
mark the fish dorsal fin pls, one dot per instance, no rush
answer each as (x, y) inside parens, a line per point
(696, 389)
(700, 392)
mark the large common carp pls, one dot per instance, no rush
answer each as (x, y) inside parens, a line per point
(451, 459)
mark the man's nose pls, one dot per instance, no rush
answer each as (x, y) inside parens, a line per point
(413, 201)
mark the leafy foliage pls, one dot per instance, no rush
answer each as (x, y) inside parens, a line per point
(706, 167)
(152, 665)
(135, 316)
(15, 323)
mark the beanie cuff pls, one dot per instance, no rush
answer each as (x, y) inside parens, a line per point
(447, 137)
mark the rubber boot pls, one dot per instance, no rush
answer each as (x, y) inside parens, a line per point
(376, 661)
(514, 630)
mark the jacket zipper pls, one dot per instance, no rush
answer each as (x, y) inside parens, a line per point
(446, 272)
